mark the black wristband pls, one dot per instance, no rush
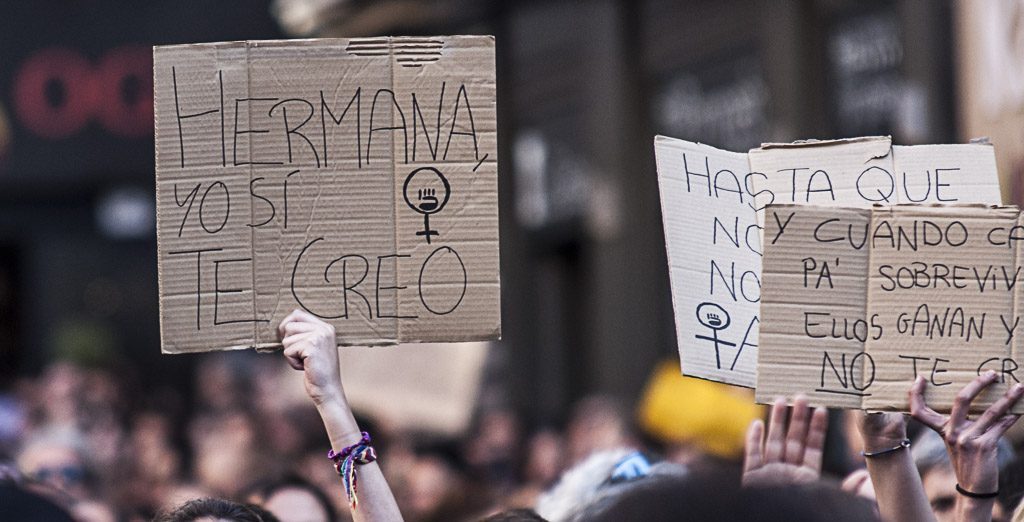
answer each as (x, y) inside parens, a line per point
(903, 445)
(972, 494)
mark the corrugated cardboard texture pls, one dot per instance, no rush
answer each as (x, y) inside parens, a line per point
(356, 179)
(713, 209)
(858, 302)
(399, 386)
(849, 172)
(865, 171)
(797, 308)
(713, 245)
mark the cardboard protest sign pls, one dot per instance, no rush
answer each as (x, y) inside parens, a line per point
(398, 387)
(714, 256)
(355, 179)
(713, 205)
(858, 302)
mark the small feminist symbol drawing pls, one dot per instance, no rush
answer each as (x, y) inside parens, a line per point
(426, 191)
(716, 318)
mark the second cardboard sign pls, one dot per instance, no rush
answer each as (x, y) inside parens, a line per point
(857, 302)
(713, 205)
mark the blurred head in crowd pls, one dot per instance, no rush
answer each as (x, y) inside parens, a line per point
(292, 499)
(544, 458)
(151, 442)
(541, 467)
(317, 470)
(433, 490)
(60, 391)
(492, 452)
(93, 511)
(289, 432)
(13, 423)
(1011, 485)
(717, 497)
(224, 445)
(598, 480)
(216, 510)
(936, 470)
(221, 381)
(515, 515)
(55, 457)
(178, 495)
(597, 423)
(151, 463)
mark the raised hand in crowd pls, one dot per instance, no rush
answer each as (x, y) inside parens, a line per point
(972, 444)
(896, 485)
(791, 452)
(310, 346)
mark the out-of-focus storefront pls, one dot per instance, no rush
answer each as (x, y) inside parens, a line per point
(77, 223)
(990, 84)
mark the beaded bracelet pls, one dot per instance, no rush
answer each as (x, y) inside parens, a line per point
(905, 443)
(345, 464)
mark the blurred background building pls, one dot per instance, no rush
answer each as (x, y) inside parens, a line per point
(583, 88)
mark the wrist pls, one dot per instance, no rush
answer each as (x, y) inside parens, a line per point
(340, 424)
(340, 441)
(883, 442)
(974, 508)
(985, 488)
(330, 396)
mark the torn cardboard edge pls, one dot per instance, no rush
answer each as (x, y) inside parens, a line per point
(815, 142)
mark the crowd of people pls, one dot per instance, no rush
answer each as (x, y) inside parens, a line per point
(250, 442)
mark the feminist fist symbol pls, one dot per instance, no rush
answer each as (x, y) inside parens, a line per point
(428, 199)
(716, 318)
(428, 184)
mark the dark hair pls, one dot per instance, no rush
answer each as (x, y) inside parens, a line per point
(515, 515)
(18, 504)
(216, 508)
(260, 492)
(715, 497)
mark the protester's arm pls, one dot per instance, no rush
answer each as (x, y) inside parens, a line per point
(898, 488)
(786, 456)
(972, 445)
(310, 346)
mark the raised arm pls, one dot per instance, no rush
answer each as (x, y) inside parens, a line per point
(310, 346)
(898, 488)
(972, 445)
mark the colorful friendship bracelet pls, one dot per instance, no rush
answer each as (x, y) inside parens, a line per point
(345, 463)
